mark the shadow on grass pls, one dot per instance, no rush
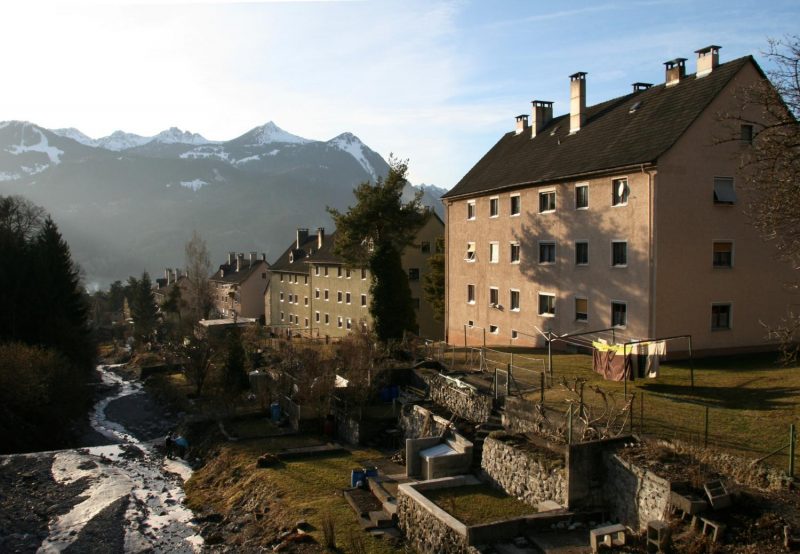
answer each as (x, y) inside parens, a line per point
(733, 398)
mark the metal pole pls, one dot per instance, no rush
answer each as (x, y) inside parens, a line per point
(484, 337)
(791, 450)
(569, 426)
(550, 355)
(705, 432)
(541, 390)
(691, 361)
(508, 381)
(465, 339)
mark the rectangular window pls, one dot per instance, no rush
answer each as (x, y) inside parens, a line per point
(346, 273)
(347, 298)
(514, 300)
(494, 252)
(581, 309)
(326, 271)
(363, 274)
(515, 205)
(720, 316)
(547, 304)
(305, 279)
(723, 254)
(349, 323)
(281, 297)
(514, 247)
(327, 296)
(619, 314)
(494, 207)
(327, 319)
(547, 202)
(316, 317)
(619, 253)
(581, 197)
(282, 316)
(514, 333)
(470, 256)
(339, 297)
(281, 277)
(619, 192)
(290, 298)
(494, 329)
(494, 297)
(339, 271)
(470, 294)
(581, 253)
(724, 193)
(363, 300)
(746, 134)
(413, 274)
(547, 252)
(305, 301)
(471, 209)
(316, 293)
(339, 322)
(425, 247)
(306, 322)
(316, 270)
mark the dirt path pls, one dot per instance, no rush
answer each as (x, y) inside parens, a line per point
(120, 497)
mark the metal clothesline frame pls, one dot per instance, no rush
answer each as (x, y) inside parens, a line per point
(551, 337)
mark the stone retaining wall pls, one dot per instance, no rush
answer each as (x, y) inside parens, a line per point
(413, 421)
(523, 474)
(633, 494)
(464, 402)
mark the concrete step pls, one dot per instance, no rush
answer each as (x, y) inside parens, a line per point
(381, 519)
(378, 490)
(390, 507)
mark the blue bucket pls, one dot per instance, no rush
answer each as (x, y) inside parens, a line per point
(275, 411)
(357, 477)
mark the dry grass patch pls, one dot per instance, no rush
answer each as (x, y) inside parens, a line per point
(477, 504)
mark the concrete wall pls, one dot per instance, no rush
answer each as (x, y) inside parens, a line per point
(463, 402)
(413, 420)
(524, 474)
(687, 224)
(633, 494)
(598, 281)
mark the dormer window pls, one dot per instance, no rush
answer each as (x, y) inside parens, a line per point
(291, 257)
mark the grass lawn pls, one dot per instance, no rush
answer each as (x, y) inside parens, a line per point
(751, 399)
(476, 504)
(306, 489)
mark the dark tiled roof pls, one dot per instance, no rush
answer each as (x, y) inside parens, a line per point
(325, 254)
(292, 259)
(612, 136)
(234, 277)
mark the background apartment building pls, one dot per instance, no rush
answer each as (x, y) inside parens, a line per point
(238, 286)
(314, 293)
(625, 214)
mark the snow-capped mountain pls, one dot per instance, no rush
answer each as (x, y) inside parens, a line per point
(127, 202)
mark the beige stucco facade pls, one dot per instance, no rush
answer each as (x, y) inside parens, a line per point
(668, 283)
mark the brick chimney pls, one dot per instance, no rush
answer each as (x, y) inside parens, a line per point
(707, 60)
(168, 276)
(320, 237)
(541, 114)
(522, 124)
(577, 101)
(231, 258)
(302, 236)
(239, 261)
(638, 87)
(675, 71)
(253, 258)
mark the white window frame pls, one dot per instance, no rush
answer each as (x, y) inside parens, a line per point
(472, 208)
(511, 205)
(316, 293)
(582, 186)
(494, 329)
(733, 253)
(624, 303)
(730, 315)
(339, 322)
(281, 297)
(316, 316)
(327, 295)
(555, 252)
(494, 291)
(614, 188)
(511, 246)
(470, 288)
(555, 201)
(619, 241)
(575, 305)
(539, 304)
(494, 248)
(471, 249)
(494, 201)
(511, 300)
(348, 323)
(363, 300)
(514, 334)
(316, 270)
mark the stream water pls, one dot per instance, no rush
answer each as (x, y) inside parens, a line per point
(127, 472)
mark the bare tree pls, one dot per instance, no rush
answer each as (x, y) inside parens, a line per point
(772, 167)
(198, 270)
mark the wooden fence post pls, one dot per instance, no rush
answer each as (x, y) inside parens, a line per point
(791, 450)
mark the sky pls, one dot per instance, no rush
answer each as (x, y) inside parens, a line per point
(435, 82)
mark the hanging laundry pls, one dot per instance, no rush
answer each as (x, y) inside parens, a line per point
(653, 358)
(611, 362)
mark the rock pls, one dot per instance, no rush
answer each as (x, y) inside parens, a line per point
(215, 538)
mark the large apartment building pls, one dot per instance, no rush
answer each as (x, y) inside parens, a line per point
(238, 286)
(315, 293)
(624, 214)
